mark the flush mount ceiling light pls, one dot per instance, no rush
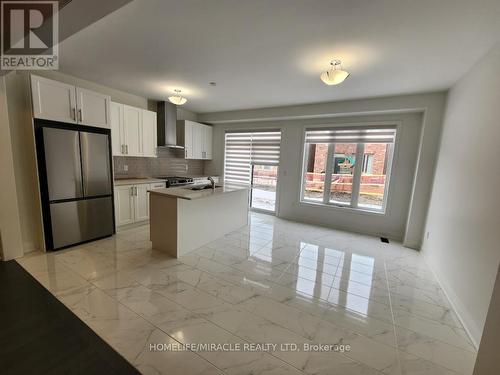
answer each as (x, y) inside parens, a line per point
(335, 74)
(177, 99)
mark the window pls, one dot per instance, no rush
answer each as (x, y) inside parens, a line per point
(348, 167)
(252, 158)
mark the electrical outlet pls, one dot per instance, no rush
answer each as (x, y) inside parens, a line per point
(125, 168)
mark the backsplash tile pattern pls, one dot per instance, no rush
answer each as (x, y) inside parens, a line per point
(170, 162)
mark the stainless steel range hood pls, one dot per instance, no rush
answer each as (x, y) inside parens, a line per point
(167, 125)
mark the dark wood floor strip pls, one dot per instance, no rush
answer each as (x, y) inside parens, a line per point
(39, 335)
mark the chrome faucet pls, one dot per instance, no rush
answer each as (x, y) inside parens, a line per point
(212, 182)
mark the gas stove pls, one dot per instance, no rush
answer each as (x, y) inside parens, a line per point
(176, 181)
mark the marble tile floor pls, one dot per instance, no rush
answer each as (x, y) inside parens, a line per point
(271, 282)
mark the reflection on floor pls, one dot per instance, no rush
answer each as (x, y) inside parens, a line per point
(376, 305)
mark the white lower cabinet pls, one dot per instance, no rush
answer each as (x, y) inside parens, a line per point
(124, 205)
(141, 199)
(132, 203)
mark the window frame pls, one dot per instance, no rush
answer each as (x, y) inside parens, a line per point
(353, 205)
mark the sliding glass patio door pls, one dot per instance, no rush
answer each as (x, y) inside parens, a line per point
(252, 159)
(263, 187)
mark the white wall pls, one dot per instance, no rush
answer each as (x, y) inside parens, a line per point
(463, 221)
(11, 245)
(411, 196)
(391, 224)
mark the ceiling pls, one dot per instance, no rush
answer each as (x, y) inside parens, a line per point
(264, 53)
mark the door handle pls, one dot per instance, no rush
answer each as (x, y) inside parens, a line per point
(80, 114)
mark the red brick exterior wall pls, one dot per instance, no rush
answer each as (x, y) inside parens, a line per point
(378, 150)
(372, 183)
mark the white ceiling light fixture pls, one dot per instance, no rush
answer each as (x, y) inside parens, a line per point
(335, 74)
(177, 99)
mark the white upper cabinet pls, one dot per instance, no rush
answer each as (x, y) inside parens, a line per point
(132, 130)
(197, 140)
(117, 134)
(207, 142)
(188, 139)
(57, 101)
(93, 108)
(53, 100)
(149, 137)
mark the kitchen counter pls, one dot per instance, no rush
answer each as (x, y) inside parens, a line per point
(185, 192)
(151, 180)
(182, 220)
(135, 181)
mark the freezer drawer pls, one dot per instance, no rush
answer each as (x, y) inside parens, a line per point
(83, 220)
(62, 163)
(96, 166)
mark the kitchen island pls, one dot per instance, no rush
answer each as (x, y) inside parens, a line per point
(182, 219)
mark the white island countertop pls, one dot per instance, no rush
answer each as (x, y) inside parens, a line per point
(185, 192)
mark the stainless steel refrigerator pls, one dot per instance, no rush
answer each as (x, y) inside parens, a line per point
(75, 173)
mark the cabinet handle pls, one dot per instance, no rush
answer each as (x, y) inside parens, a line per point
(185, 153)
(80, 114)
(126, 149)
(74, 113)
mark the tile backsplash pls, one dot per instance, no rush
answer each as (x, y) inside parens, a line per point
(170, 162)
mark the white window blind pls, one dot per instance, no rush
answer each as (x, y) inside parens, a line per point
(351, 135)
(243, 149)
